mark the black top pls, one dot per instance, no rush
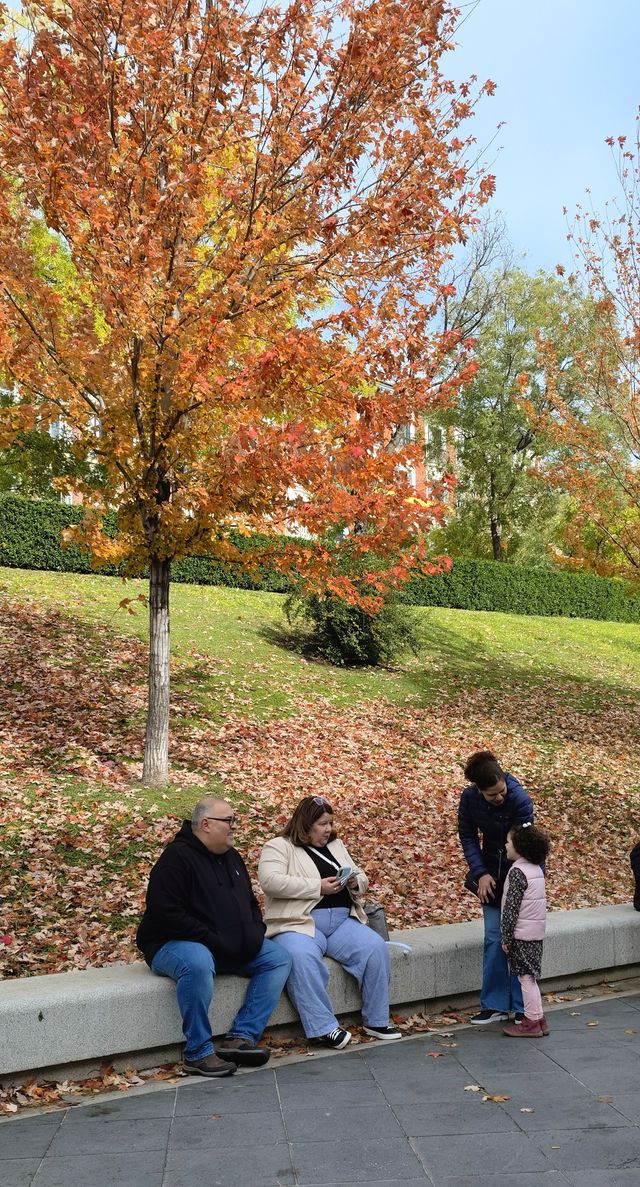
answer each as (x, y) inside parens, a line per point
(207, 897)
(328, 866)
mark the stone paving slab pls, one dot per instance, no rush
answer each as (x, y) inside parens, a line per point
(384, 1115)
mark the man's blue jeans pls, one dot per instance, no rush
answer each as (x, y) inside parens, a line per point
(500, 990)
(193, 968)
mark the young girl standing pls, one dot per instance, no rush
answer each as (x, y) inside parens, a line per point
(522, 922)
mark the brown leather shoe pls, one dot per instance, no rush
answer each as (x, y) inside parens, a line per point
(209, 1066)
(242, 1052)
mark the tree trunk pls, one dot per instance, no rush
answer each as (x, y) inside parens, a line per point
(155, 771)
(494, 520)
(496, 544)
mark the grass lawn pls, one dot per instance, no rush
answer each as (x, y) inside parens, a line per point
(557, 699)
(235, 628)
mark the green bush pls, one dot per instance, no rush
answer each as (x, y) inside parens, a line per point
(348, 637)
(30, 534)
(202, 570)
(30, 539)
(514, 589)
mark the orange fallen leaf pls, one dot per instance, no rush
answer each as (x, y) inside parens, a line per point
(434, 1054)
(495, 1096)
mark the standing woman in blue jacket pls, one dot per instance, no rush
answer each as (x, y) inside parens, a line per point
(493, 803)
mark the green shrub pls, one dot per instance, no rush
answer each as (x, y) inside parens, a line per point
(30, 532)
(348, 637)
(203, 570)
(514, 589)
(30, 536)
(30, 539)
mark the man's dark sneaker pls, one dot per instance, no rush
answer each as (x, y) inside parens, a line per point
(487, 1016)
(242, 1052)
(383, 1032)
(518, 1017)
(337, 1039)
(209, 1066)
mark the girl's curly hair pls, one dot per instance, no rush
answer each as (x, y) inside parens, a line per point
(530, 842)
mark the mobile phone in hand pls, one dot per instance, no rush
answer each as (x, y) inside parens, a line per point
(343, 874)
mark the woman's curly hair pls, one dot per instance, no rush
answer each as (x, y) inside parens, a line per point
(483, 769)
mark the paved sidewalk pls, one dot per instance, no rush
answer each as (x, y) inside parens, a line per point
(386, 1115)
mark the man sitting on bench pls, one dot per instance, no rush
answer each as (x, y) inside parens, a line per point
(202, 918)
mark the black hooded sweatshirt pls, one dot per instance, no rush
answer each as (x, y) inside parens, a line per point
(207, 897)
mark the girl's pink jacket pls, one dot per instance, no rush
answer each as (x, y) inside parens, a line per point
(533, 908)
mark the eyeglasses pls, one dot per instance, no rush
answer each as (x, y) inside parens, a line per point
(231, 821)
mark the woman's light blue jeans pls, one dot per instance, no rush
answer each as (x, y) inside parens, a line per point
(359, 950)
(193, 968)
(500, 990)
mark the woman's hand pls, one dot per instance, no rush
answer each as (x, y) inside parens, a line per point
(353, 882)
(486, 887)
(330, 886)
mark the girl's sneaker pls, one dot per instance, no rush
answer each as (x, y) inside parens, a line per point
(383, 1032)
(544, 1025)
(337, 1039)
(529, 1028)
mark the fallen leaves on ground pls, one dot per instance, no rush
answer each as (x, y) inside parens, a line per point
(74, 867)
(33, 1093)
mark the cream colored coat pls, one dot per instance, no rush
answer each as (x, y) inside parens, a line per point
(290, 880)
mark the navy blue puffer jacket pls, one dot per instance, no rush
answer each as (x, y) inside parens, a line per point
(493, 821)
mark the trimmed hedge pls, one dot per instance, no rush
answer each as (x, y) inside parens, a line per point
(30, 539)
(201, 570)
(30, 536)
(514, 589)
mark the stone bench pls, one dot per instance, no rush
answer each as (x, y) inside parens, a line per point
(124, 1010)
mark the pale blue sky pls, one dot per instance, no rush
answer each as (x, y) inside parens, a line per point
(567, 76)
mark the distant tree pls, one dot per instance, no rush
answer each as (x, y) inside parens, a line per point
(37, 458)
(251, 207)
(599, 432)
(504, 506)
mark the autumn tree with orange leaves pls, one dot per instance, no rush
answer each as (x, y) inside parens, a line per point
(248, 209)
(600, 433)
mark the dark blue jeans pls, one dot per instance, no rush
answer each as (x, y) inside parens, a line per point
(500, 990)
(193, 968)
